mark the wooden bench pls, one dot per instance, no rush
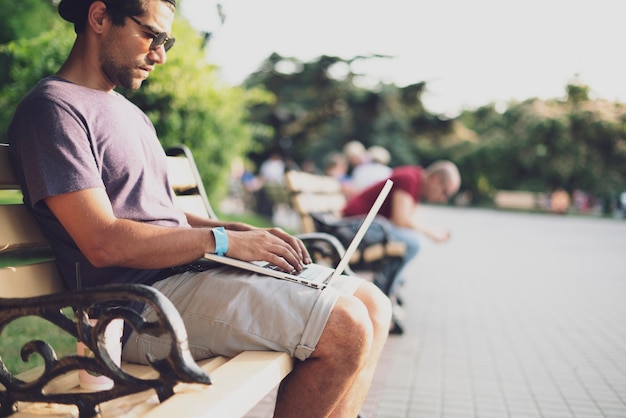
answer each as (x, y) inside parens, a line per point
(176, 386)
(515, 199)
(319, 200)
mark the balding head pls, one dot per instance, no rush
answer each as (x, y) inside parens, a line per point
(446, 173)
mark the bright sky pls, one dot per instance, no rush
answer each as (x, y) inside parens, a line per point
(470, 52)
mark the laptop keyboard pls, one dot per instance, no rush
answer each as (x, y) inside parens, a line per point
(308, 272)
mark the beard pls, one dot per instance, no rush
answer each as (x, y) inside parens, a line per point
(115, 66)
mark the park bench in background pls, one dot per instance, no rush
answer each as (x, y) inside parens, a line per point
(515, 199)
(236, 384)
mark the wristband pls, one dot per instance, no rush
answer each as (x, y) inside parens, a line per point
(221, 240)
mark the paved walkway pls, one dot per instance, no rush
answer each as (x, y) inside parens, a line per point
(519, 315)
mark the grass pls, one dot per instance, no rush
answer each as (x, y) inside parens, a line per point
(25, 329)
(20, 258)
(10, 197)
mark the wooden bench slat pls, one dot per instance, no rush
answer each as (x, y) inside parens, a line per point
(239, 385)
(31, 280)
(305, 203)
(185, 180)
(299, 181)
(144, 372)
(314, 193)
(180, 174)
(19, 229)
(193, 204)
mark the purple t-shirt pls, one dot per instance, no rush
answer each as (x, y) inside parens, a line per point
(66, 138)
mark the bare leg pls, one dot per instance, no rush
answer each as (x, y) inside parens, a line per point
(379, 309)
(334, 381)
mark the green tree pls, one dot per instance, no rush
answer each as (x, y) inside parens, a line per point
(23, 62)
(25, 18)
(319, 106)
(541, 145)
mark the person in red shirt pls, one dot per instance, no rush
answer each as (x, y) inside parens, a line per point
(412, 184)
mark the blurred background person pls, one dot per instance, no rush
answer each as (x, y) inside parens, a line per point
(559, 201)
(374, 168)
(309, 166)
(336, 165)
(356, 154)
(272, 170)
(271, 176)
(412, 184)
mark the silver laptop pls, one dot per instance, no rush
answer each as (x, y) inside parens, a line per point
(313, 275)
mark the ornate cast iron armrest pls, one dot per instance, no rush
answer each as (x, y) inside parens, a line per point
(178, 366)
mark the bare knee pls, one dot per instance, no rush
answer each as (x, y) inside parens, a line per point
(377, 304)
(348, 334)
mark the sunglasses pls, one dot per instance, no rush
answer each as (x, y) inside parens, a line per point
(158, 39)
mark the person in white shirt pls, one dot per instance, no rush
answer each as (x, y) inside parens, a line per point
(374, 169)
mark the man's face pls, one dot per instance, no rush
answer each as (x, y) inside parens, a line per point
(125, 56)
(437, 190)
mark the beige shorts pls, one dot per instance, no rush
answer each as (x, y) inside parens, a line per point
(226, 312)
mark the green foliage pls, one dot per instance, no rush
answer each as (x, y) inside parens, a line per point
(25, 18)
(541, 145)
(187, 104)
(25, 61)
(577, 93)
(10, 197)
(320, 106)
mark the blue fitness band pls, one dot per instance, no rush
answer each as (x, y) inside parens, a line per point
(221, 240)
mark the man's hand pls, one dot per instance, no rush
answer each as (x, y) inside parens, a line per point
(272, 245)
(439, 236)
(251, 243)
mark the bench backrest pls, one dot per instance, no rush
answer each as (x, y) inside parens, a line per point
(185, 179)
(314, 194)
(22, 239)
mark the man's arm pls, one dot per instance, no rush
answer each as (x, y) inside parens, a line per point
(403, 215)
(204, 222)
(105, 240)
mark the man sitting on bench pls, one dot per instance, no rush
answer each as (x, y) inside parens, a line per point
(94, 175)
